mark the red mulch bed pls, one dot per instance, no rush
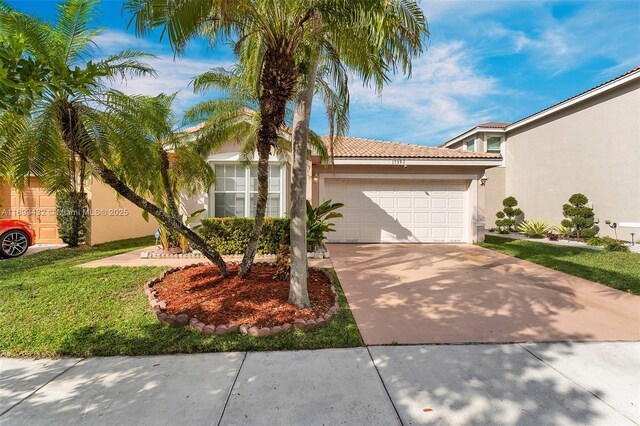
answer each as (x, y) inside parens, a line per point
(258, 300)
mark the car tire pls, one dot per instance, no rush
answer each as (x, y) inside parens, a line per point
(13, 243)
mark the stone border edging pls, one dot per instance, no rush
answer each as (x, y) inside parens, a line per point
(160, 306)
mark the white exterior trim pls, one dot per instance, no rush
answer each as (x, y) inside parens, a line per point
(469, 133)
(589, 94)
(417, 162)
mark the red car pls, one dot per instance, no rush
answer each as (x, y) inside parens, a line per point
(16, 237)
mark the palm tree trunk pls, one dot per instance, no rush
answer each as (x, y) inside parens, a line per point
(298, 293)
(278, 80)
(109, 177)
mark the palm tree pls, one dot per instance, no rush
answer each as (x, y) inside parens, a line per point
(74, 121)
(271, 31)
(387, 39)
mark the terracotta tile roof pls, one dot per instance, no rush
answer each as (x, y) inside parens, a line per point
(494, 124)
(351, 147)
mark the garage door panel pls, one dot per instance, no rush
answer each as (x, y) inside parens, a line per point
(392, 211)
(455, 218)
(438, 203)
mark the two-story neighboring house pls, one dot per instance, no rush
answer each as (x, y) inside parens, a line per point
(589, 143)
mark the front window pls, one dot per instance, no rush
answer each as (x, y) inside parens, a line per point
(236, 191)
(493, 144)
(470, 145)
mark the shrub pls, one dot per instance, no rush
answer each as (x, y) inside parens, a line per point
(615, 245)
(507, 216)
(534, 228)
(230, 235)
(600, 241)
(579, 216)
(564, 232)
(72, 213)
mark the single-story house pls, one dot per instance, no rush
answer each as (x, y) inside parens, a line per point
(111, 219)
(393, 192)
(589, 143)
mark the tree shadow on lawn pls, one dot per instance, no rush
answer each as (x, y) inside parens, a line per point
(555, 258)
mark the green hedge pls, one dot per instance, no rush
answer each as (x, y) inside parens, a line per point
(230, 235)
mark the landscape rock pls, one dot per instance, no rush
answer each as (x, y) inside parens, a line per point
(182, 320)
(209, 329)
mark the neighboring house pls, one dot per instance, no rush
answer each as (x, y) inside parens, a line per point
(111, 218)
(392, 192)
(589, 143)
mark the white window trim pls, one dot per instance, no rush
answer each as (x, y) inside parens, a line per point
(502, 145)
(465, 144)
(210, 202)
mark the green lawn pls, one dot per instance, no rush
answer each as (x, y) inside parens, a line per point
(50, 308)
(615, 269)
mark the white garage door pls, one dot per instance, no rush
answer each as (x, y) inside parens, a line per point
(398, 211)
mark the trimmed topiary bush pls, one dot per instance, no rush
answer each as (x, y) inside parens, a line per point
(507, 216)
(579, 217)
(230, 235)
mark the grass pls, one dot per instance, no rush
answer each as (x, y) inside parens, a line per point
(614, 269)
(50, 308)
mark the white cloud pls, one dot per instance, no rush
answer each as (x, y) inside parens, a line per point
(445, 87)
(174, 74)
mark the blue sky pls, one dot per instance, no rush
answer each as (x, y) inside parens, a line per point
(486, 61)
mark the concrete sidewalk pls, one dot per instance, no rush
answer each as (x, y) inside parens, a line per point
(562, 383)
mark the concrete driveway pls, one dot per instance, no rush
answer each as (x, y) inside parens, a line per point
(437, 293)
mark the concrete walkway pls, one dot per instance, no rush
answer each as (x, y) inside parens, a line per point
(448, 293)
(133, 259)
(535, 384)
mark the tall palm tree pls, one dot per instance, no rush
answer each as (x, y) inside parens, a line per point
(74, 120)
(385, 40)
(276, 28)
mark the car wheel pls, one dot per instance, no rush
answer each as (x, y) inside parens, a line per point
(13, 243)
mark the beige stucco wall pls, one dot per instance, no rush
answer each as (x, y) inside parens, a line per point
(494, 193)
(114, 218)
(592, 148)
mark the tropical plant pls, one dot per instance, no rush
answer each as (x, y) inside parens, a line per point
(77, 123)
(507, 217)
(564, 232)
(534, 228)
(318, 225)
(579, 216)
(283, 263)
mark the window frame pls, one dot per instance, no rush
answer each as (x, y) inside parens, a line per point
(501, 141)
(210, 203)
(466, 143)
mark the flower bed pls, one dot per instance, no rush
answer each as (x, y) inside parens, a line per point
(198, 297)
